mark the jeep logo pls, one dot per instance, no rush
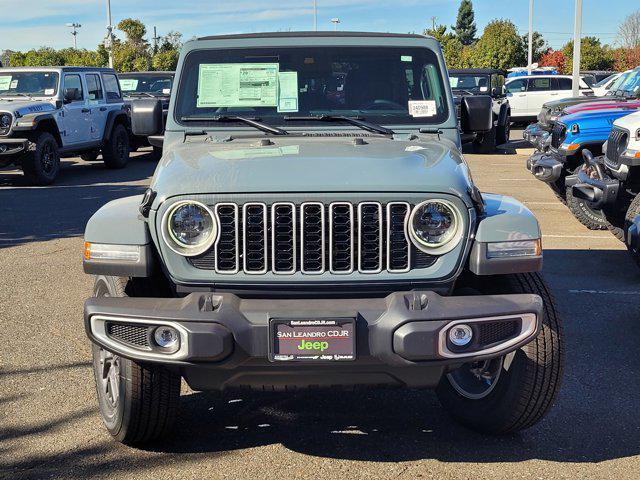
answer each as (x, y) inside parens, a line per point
(306, 345)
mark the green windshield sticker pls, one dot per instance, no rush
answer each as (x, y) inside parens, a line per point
(5, 81)
(238, 85)
(128, 84)
(288, 94)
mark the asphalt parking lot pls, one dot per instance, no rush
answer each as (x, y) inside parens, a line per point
(49, 424)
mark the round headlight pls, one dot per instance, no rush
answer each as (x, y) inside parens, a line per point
(189, 228)
(435, 226)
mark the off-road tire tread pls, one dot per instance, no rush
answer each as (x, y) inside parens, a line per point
(574, 207)
(29, 161)
(109, 155)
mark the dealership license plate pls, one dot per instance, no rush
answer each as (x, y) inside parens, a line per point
(326, 340)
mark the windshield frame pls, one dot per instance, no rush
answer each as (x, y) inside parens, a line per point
(391, 120)
(9, 72)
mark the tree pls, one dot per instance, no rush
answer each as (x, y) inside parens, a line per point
(132, 55)
(629, 31)
(465, 27)
(500, 46)
(451, 46)
(593, 56)
(553, 58)
(626, 58)
(540, 47)
(134, 30)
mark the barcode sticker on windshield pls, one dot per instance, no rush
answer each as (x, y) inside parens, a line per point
(422, 108)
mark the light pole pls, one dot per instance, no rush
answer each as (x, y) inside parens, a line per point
(108, 42)
(74, 32)
(577, 35)
(530, 53)
(335, 22)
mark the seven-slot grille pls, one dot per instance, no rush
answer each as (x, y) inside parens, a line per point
(558, 134)
(616, 145)
(313, 238)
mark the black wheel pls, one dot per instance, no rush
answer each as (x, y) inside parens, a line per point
(138, 402)
(513, 392)
(486, 142)
(503, 132)
(90, 156)
(115, 152)
(559, 190)
(41, 163)
(156, 154)
(590, 217)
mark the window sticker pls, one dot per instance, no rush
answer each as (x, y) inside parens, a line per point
(453, 82)
(128, 84)
(484, 89)
(238, 85)
(406, 58)
(49, 91)
(14, 83)
(5, 81)
(288, 92)
(422, 108)
(166, 91)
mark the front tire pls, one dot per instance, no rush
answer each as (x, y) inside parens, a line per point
(487, 142)
(590, 217)
(41, 163)
(138, 402)
(513, 392)
(503, 132)
(115, 152)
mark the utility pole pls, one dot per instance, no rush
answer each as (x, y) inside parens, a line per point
(577, 36)
(530, 53)
(433, 23)
(315, 15)
(155, 39)
(109, 39)
(74, 32)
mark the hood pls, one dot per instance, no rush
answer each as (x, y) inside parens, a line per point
(567, 102)
(25, 106)
(595, 119)
(312, 164)
(631, 122)
(608, 103)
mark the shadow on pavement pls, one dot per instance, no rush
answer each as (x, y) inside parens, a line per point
(30, 214)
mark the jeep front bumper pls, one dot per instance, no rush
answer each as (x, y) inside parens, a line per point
(546, 166)
(599, 190)
(12, 146)
(399, 340)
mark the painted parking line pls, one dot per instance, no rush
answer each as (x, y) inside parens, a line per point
(577, 236)
(606, 292)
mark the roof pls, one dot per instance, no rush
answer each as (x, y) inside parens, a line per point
(477, 71)
(311, 34)
(62, 68)
(155, 72)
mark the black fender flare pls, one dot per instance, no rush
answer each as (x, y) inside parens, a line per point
(36, 124)
(112, 118)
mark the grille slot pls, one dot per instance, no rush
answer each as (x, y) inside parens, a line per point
(285, 238)
(494, 332)
(398, 246)
(616, 145)
(134, 335)
(254, 238)
(341, 228)
(558, 134)
(370, 237)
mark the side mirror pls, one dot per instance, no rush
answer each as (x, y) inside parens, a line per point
(476, 114)
(71, 94)
(494, 92)
(146, 117)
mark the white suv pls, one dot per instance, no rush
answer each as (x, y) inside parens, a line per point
(527, 94)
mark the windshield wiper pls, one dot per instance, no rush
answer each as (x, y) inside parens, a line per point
(355, 121)
(131, 94)
(253, 122)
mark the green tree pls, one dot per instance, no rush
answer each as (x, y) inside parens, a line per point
(593, 55)
(540, 47)
(465, 27)
(500, 46)
(451, 46)
(134, 31)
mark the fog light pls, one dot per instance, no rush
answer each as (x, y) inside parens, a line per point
(167, 337)
(461, 335)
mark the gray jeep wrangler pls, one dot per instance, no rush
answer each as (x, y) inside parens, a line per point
(305, 232)
(51, 112)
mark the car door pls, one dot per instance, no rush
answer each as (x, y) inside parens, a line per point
(538, 92)
(77, 120)
(97, 104)
(517, 96)
(565, 88)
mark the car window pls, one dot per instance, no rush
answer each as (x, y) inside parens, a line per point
(111, 86)
(497, 81)
(565, 83)
(539, 84)
(517, 86)
(74, 81)
(606, 80)
(94, 89)
(33, 84)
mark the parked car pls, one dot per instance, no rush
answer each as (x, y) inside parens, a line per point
(612, 182)
(48, 113)
(484, 81)
(602, 87)
(138, 85)
(314, 248)
(571, 135)
(527, 94)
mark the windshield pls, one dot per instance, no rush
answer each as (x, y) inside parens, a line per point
(630, 86)
(604, 81)
(31, 84)
(469, 83)
(383, 85)
(152, 84)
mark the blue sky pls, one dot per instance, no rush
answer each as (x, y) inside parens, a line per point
(32, 23)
